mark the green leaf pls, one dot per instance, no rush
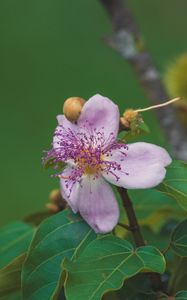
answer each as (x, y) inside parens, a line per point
(10, 276)
(175, 183)
(178, 278)
(14, 240)
(159, 240)
(144, 127)
(154, 208)
(182, 295)
(136, 288)
(179, 239)
(62, 235)
(105, 264)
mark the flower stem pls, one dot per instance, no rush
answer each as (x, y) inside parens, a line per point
(137, 235)
(133, 222)
(164, 251)
(127, 227)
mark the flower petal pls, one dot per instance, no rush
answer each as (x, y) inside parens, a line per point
(70, 190)
(97, 204)
(99, 112)
(63, 124)
(63, 121)
(143, 167)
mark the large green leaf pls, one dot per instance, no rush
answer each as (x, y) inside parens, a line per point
(182, 295)
(175, 183)
(146, 202)
(14, 240)
(136, 288)
(178, 277)
(160, 240)
(179, 239)
(10, 276)
(154, 208)
(62, 235)
(105, 264)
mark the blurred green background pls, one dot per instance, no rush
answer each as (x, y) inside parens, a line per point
(51, 50)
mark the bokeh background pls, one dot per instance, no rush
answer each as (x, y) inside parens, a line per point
(51, 50)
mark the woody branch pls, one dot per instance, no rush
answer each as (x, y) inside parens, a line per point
(126, 40)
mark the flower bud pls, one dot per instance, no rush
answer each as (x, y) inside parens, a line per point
(128, 117)
(52, 207)
(73, 107)
(58, 203)
(124, 123)
(55, 196)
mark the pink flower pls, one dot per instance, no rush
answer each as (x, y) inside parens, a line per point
(94, 157)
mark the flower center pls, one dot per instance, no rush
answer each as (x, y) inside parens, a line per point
(89, 151)
(90, 161)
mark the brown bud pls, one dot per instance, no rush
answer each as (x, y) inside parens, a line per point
(73, 107)
(55, 196)
(52, 207)
(58, 203)
(130, 115)
(124, 122)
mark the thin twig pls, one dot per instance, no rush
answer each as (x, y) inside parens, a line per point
(127, 41)
(127, 227)
(158, 105)
(164, 251)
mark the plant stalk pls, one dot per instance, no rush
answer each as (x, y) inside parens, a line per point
(137, 235)
(133, 222)
(127, 41)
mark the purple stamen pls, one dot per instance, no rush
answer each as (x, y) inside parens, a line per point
(88, 150)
